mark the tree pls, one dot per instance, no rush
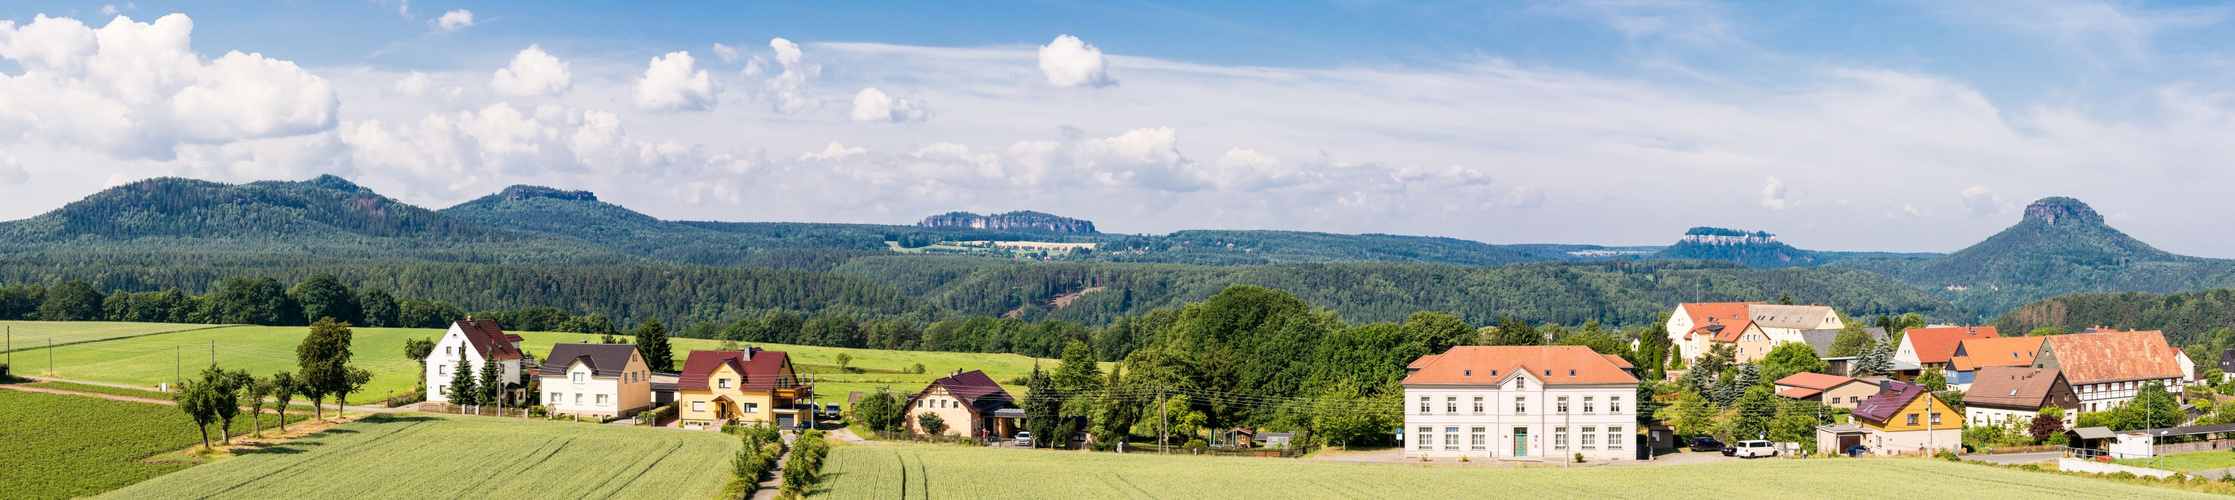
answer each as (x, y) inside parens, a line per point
(1114, 414)
(73, 301)
(256, 390)
(843, 360)
(353, 379)
(1933, 380)
(881, 411)
(1515, 332)
(418, 350)
(254, 301)
(1691, 415)
(1878, 360)
(1342, 427)
(651, 339)
(492, 390)
(463, 391)
(379, 309)
(284, 389)
(2049, 422)
(1438, 331)
(1851, 341)
(198, 399)
(1754, 413)
(1789, 358)
(2045, 331)
(1785, 298)
(2152, 408)
(323, 361)
(931, 423)
(1079, 370)
(1043, 409)
(323, 296)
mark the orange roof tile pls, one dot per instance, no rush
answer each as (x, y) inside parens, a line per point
(2087, 358)
(1618, 361)
(1998, 351)
(1816, 381)
(1707, 313)
(1936, 345)
(1799, 392)
(1550, 365)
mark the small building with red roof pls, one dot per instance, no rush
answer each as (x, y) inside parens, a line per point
(1902, 418)
(1520, 403)
(747, 387)
(969, 404)
(1931, 348)
(1831, 390)
(468, 345)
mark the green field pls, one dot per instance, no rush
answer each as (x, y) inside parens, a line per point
(153, 359)
(410, 455)
(58, 446)
(27, 335)
(912, 471)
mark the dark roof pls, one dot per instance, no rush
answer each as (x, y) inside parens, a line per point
(2012, 386)
(1821, 339)
(605, 360)
(2227, 361)
(974, 386)
(489, 340)
(1891, 398)
(763, 370)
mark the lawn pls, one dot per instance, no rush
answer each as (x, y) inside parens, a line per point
(27, 335)
(59, 446)
(2191, 461)
(431, 456)
(914, 471)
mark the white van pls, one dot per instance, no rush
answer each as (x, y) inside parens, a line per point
(1754, 448)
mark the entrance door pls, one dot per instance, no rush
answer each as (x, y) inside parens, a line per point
(1848, 441)
(1520, 441)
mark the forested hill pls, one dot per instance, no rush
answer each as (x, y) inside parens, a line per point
(2185, 317)
(325, 216)
(579, 215)
(2060, 247)
(1229, 247)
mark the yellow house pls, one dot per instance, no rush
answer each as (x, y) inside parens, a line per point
(742, 387)
(1907, 418)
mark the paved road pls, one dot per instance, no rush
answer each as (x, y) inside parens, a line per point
(2018, 458)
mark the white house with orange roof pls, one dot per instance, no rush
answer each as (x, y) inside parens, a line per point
(1527, 403)
(1754, 327)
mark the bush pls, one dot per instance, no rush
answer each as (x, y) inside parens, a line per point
(538, 411)
(4, 374)
(1579, 458)
(804, 468)
(1946, 455)
(1196, 444)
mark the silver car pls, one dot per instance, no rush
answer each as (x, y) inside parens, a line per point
(1024, 439)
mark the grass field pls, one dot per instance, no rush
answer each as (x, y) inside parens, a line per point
(58, 446)
(432, 456)
(910, 472)
(29, 335)
(2191, 461)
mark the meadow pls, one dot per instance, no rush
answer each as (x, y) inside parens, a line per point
(433, 456)
(915, 471)
(28, 335)
(60, 446)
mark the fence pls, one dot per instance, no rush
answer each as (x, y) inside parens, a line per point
(910, 436)
(2153, 462)
(1290, 452)
(486, 411)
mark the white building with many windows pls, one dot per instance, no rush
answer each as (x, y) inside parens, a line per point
(465, 348)
(1528, 403)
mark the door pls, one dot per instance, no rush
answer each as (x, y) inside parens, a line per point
(784, 421)
(1848, 441)
(1520, 441)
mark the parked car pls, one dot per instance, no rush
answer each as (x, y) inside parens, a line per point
(1704, 443)
(1754, 448)
(1857, 451)
(831, 409)
(1730, 451)
(1024, 438)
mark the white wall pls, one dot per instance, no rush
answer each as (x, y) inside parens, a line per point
(442, 365)
(1542, 421)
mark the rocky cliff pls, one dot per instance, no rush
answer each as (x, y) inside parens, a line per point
(1017, 221)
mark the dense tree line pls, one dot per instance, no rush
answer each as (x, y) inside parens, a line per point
(2186, 317)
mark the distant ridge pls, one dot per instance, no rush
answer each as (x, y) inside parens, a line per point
(1022, 220)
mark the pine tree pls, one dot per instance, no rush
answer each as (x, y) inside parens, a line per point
(651, 339)
(492, 391)
(463, 391)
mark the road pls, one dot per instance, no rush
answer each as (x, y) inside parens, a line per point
(2017, 458)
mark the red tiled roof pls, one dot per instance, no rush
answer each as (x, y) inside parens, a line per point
(1998, 351)
(2087, 358)
(1816, 381)
(764, 371)
(1494, 364)
(1890, 400)
(1936, 345)
(975, 387)
(1618, 361)
(1732, 331)
(2021, 386)
(1706, 313)
(1799, 392)
(1423, 361)
(487, 339)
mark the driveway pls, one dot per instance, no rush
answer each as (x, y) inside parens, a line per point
(2017, 458)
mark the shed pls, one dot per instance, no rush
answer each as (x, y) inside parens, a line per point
(2089, 437)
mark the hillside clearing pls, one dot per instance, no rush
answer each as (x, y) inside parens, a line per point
(434, 456)
(912, 471)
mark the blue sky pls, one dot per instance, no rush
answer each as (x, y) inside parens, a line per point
(1874, 125)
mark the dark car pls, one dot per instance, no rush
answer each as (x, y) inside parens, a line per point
(1704, 443)
(1857, 451)
(1730, 451)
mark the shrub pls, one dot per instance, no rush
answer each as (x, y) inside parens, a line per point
(4, 375)
(1579, 458)
(804, 468)
(1196, 444)
(1946, 455)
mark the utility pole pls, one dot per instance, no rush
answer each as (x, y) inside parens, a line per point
(50, 356)
(11, 349)
(178, 364)
(1929, 420)
(1164, 422)
(213, 353)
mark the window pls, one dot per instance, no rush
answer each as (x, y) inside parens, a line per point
(1590, 438)
(1560, 437)
(722, 383)
(752, 407)
(1614, 438)
(1912, 419)
(601, 400)
(1521, 405)
(1451, 439)
(556, 396)
(1478, 405)
(577, 377)
(1520, 384)
(577, 398)
(1587, 404)
(1935, 418)
(1560, 405)
(1451, 404)
(442, 369)
(1481, 439)
(1423, 405)
(1424, 436)
(446, 350)
(1614, 404)
(698, 406)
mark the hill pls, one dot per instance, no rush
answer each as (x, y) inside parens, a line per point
(2061, 246)
(1227, 247)
(2185, 317)
(579, 215)
(325, 216)
(1022, 220)
(1760, 250)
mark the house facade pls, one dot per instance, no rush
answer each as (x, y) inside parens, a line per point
(1685, 325)
(1930, 348)
(465, 348)
(2106, 369)
(1906, 418)
(1694, 326)
(601, 381)
(2001, 395)
(1831, 390)
(1526, 403)
(1974, 354)
(748, 387)
(1784, 323)
(970, 404)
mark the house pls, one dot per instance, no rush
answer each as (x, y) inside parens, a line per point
(2226, 363)
(465, 348)
(2001, 395)
(751, 387)
(2188, 366)
(1527, 403)
(2106, 369)
(1688, 327)
(602, 381)
(1831, 390)
(970, 403)
(1276, 439)
(1929, 348)
(1785, 322)
(1684, 326)
(1236, 438)
(1903, 418)
(1973, 354)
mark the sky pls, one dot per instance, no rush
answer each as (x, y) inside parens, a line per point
(1890, 125)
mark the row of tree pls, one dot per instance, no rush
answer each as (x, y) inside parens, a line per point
(322, 370)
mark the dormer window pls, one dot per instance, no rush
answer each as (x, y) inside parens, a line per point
(721, 383)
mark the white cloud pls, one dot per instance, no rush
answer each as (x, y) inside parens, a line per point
(533, 73)
(1070, 62)
(1689, 21)
(673, 83)
(872, 105)
(108, 10)
(726, 53)
(1524, 197)
(453, 21)
(1981, 202)
(754, 67)
(833, 152)
(11, 171)
(414, 84)
(135, 90)
(786, 92)
(1773, 195)
(403, 8)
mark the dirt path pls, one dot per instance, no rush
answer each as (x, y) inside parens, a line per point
(375, 409)
(87, 394)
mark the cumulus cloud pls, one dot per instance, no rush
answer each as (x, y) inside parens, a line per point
(872, 105)
(414, 84)
(532, 73)
(726, 53)
(1773, 195)
(673, 83)
(786, 92)
(135, 90)
(1981, 202)
(453, 21)
(458, 150)
(11, 171)
(1070, 62)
